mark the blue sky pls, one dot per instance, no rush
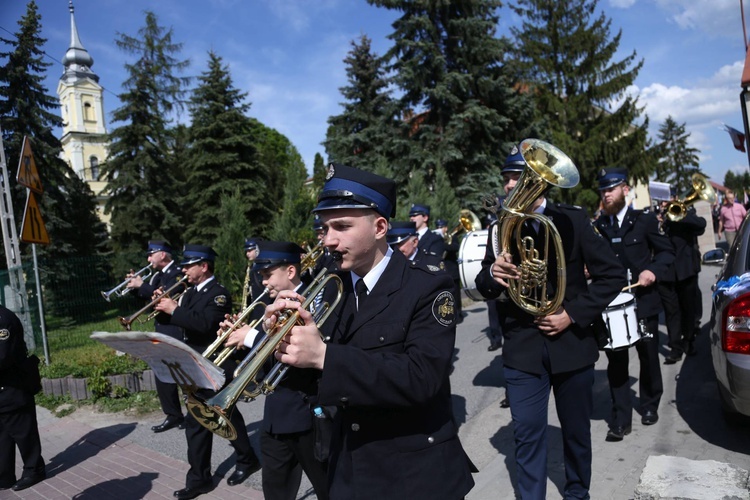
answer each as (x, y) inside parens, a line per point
(287, 54)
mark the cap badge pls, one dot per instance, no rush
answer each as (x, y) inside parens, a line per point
(514, 151)
(331, 171)
(602, 173)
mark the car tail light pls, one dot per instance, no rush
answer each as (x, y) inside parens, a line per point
(736, 334)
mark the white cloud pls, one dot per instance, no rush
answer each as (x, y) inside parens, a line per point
(713, 17)
(622, 4)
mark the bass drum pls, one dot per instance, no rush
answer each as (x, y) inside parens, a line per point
(470, 256)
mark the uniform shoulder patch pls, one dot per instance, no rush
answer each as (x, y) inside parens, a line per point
(444, 308)
(4, 334)
(432, 268)
(220, 300)
(646, 210)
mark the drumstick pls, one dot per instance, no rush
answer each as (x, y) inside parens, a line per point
(626, 288)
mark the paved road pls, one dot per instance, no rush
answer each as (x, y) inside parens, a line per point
(91, 455)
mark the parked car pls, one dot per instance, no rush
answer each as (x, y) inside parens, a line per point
(730, 326)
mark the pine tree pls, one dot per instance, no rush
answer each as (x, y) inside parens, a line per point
(294, 221)
(68, 206)
(677, 161)
(463, 108)
(145, 196)
(319, 172)
(565, 57)
(231, 262)
(222, 156)
(360, 136)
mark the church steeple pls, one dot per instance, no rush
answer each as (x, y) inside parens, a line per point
(77, 60)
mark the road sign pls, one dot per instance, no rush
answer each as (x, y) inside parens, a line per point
(28, 175)
(33, 230)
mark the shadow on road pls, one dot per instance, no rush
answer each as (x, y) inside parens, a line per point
(88, 446)
(132, 487)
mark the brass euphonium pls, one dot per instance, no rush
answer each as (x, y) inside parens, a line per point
(702, 190)
(467, 222)
(546, 167)
(214, 413)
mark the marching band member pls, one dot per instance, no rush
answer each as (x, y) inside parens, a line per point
(557, 351)
(403, 236)
(286, 439)
(200, 311)
(646, 252)
(429, 242)
(387, 364)
(166, 273)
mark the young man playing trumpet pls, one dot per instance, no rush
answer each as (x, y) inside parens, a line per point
(387, 363)
(286, 439)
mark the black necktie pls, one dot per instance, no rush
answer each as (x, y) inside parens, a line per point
(361, 290)
(615, 223)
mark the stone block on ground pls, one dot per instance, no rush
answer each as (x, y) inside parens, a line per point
(677, 478)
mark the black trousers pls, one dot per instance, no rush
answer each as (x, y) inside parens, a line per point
(285, 456)
(680, 301)
(200, 443)
(496, 325)
(19, 428)
(650, 382)
(169, 398)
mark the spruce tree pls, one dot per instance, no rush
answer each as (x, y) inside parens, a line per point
(360, 135)
(463, 108)
(223, 155)
(68, 205)
(565, 56)
(319, 172)
(231, 262)
(677, 161)
(145, 196)
(294, 221)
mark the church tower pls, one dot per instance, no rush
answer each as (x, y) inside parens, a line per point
(84, 138)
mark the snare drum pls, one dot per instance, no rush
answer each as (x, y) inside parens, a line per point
(622, 325)
(470, 257)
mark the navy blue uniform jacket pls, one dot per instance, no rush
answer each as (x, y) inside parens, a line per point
(164, 279)
(201, 312)
(643, 247)
(14, 392)
(684, 237)
(387, 369)
(584, 302)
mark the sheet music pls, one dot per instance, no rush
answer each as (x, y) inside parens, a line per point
(170, 359)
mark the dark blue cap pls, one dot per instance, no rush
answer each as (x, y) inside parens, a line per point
(274, 253)
(348, 187)
(441, 223)
(252, 243)
(158, 246)
(193, 254)
(400, 231)
(514, 162)
(317, 223)
(612, 176)
(417, 209)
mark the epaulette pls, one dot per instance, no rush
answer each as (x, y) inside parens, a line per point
(645, 211)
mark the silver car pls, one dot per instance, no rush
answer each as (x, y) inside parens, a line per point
(730, 326)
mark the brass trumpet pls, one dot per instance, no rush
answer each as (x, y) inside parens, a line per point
(127, 322)
(118, 290)
(222, 338)
(702, 190)
(214, 413)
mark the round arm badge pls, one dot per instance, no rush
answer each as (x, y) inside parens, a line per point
(220, 300)
(444, 308)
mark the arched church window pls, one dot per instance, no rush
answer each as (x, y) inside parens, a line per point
(94, 167)
(88, 112)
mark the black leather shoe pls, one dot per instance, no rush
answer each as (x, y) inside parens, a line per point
(28, 482)
(504, 403)
(650, 418)
(672, 359)
(239, 476)
(616, 433)
(169, 423)
(188, 493)
(690, 349)
(494, 346)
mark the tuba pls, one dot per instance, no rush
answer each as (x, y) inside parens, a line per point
(546, 167)
(214, 413)
(702, 190)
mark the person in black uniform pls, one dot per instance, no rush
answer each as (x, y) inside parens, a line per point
(200, 311)
(647, 254)
(557, 351)
(429, 242)
(387, 364)
(679, 288)
(255, 287)
(450, 261)
(19, 381)
(166, 273)
(286, 440)
(402, 236)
